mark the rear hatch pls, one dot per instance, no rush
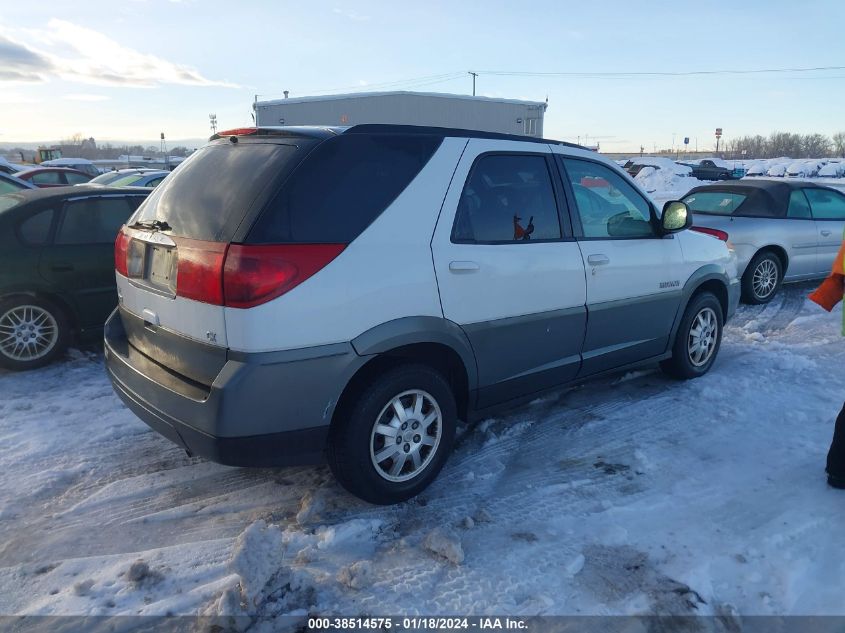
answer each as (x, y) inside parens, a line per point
(170, 256)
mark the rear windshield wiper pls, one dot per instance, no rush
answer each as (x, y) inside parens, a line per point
(155, 225)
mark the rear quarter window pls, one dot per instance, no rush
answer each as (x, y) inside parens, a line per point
(341, 187)
(714, 202)
(93, 220)
(35, 230)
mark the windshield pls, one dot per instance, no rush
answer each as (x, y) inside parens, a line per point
(714, 202)
(104, 179)
(125, 181)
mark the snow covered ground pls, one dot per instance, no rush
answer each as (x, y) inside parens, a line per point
(633, 494)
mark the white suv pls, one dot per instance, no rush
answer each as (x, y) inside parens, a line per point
(291, 294)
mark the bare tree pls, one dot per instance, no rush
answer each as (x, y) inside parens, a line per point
(815, 145)
(839, 144)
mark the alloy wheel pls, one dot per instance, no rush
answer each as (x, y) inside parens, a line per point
(765, 279)
(27, 333)
(406, 435)
(703, 336)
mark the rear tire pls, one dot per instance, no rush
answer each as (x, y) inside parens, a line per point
(33, 332)
(698, 339)
(762, 278)
(392, 441)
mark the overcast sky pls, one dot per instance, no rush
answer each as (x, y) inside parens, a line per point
(130, 69)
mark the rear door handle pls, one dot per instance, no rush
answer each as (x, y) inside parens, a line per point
(464, 267)
(825, 232)
(598, 260)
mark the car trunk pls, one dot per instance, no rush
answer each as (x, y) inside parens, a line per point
(170, 256)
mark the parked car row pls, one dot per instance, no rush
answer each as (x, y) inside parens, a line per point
(60, 174)
(804, 168)
(720, 169)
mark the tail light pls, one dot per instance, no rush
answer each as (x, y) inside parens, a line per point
(121, 252)
(199, 272)
(244, 275)
(255, 274)
(238, 131)
(714, 232)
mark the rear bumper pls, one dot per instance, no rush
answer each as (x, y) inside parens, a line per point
(260, 409)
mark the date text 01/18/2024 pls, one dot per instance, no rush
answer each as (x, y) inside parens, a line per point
(418, 623)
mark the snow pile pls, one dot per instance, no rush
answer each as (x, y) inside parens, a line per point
(446, 543)
(662, 163)
(663, 184)
(834, 169)
(257, 555)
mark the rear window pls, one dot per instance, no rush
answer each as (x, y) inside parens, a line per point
(714, 202)
(212, 191)
(343, 185)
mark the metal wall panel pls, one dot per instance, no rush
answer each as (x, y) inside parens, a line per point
(489, 115)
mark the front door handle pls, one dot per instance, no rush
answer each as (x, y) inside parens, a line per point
(825, 232)
(598, 260)
(464, 267)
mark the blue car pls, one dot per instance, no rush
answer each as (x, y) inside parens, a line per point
(10, 184)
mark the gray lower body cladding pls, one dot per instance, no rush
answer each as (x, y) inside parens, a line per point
(267, 409)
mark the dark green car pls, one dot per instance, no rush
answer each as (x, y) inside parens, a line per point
(57, 267)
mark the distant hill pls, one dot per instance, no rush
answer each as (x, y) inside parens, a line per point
(190, 143)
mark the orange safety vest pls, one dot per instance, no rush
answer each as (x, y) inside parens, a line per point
(832, 289)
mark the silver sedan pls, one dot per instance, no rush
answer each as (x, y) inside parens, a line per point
(781, 231)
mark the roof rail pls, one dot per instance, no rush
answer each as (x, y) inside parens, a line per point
(389, 128)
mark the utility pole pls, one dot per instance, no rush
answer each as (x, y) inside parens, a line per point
(474, 75)
(163, 150)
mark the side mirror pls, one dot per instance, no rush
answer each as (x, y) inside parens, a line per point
(676, 217)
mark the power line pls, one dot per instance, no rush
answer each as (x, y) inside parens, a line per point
(688, 73)
(428, 80)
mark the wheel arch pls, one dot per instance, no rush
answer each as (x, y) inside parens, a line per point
(778, 250)
(431, 341)
(710, 278)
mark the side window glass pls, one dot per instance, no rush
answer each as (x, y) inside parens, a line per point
(798, 206)
(507, 198)
(826, 204)
(76, 179)
(36, 229)
(93, 221)
(608, 206)
(47, 178)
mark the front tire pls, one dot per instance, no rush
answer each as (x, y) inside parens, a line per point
(762, 278)
(33, 332)
(698, 339)
(391, 443)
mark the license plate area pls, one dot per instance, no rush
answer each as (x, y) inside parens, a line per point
(153, 262)
(160, 268)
